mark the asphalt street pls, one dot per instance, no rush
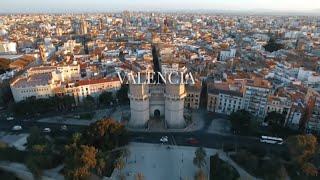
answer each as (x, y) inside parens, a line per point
(204, 139)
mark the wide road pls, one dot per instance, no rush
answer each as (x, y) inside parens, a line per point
(204, 139)
(174, 138)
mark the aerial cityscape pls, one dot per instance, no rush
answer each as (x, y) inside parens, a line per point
(177, 90)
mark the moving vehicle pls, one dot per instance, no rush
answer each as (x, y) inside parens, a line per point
(17, 128)
(64, 128)
(264, 124)
(10, 118)
(164, 139)
(46, 130)
(271, 140)
(193, 141)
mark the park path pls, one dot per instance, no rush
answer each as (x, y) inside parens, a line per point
(22, 172)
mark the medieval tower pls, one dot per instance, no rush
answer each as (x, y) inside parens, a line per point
(157, 101)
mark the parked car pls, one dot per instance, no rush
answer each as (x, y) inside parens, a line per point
(193, 141)
(46, 130)
(264, 124)
(17, 128)
(64, 128)
(164, 139)
(10, 118)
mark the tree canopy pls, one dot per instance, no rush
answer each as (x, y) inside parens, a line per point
(122, 94)
(276, 121)
(80, 161)
(107, 134)
(200, 157)
(32, 105)
(106, 98)
(273, 46)
(241, 120)
(303, 149)
(221, 170)
(89, 102)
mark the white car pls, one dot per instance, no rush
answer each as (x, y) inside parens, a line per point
(164, 139)
(264, 124)
(10, 118)
(46, 130)
(17, 128)
(64, 128)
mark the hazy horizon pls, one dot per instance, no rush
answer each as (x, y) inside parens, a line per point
(64, 6)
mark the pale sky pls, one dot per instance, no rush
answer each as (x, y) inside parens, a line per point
(21, 6)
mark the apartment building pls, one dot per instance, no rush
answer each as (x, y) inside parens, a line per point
(94, 87)
(228, 54)
(70, 72)
(37, 85)
(286, 72)
(256, 93)
(313, 110)
(193, 96)
(281, 105)
(8, 47)
(229, 102)
(212, 100)
(295, 115)
(225, 98)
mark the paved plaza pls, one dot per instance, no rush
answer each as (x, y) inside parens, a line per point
(157, 162)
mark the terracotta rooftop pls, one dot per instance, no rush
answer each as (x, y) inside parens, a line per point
(97, 81)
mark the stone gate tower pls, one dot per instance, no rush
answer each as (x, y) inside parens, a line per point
(139, 105)
(174, 105)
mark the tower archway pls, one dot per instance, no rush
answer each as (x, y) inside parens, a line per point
(157, 114)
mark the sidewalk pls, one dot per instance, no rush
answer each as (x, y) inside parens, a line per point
(21, 171)
(157, 162)
(243, 174)
(67, 121)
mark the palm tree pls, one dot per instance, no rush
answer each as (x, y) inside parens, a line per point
(200, 175)
(200, 157)
(139, 176)
(119, 164)
(125, 153)
(76, 137)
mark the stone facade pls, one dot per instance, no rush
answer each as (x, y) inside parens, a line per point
(157, 101)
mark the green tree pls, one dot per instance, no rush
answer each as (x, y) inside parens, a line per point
(106, 98)
(67, 102)
(35, 138)
(303, 148)
(241, 121)
(89, 102)
(273, 46)
(276, 121)
(33, 167)
(76, 138)
(125, 153)
(221, 170)
(122, 94)
(200, 157)
(101, 165)
(120, 164)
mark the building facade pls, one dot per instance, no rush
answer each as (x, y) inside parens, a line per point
(313, 110)
(256, 93)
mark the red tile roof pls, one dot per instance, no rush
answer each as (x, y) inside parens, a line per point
(97, 81)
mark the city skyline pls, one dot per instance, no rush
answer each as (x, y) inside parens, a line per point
(59, 6)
